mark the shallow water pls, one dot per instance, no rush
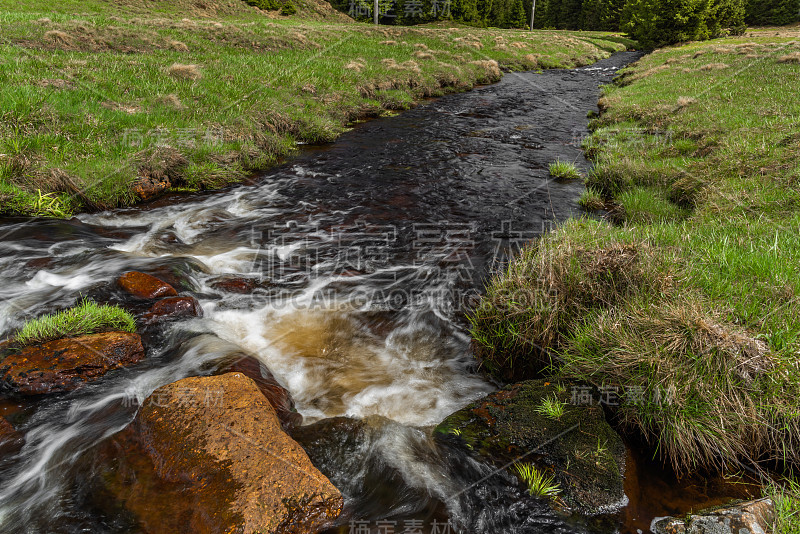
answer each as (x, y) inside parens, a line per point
(368, 252)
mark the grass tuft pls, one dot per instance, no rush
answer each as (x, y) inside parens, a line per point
(563, 170)
(85, 318)
(551, 407)
(590, 200)
(539, 484)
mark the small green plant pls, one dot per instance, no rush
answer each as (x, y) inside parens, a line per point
(551, 407)
(562, 170)
(455, 431)
(86, 318)
(48, 205)
(539, 484)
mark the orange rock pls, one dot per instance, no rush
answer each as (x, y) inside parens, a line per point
(208, 455)
(150, 187)
(277, 395)
(145, 286)
(66, 364)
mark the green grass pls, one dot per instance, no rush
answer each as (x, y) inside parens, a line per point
(564, 170)
(551, 407)
(539, 484)
(85, 318)
(590, 200)
(99, 97)
(786, 498)
(690, 293)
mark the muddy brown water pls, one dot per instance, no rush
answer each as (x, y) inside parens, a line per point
(367, 251)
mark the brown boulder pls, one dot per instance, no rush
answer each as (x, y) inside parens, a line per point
(173, 308)
(208, 455)
(145, 286)
(66, 364)
(277, 395)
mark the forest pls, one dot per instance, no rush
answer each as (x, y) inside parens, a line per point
(651, 22)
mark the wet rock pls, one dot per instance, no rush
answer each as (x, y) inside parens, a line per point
(585, 455)
(235, 284)
(150, 187)
(145, 286)
(10, 440)
(173, 308)
(208, 455)
(751, 517)
(66, 364)
(277, 395)
(40, 263)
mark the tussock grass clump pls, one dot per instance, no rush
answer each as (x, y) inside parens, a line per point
(707, 393)
(86, 318)
(714, 66)
(564, 170)
(794, 57)
(184, 72)
(590, 200)
(550, 288)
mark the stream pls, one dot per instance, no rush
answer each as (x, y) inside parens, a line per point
(367, 253)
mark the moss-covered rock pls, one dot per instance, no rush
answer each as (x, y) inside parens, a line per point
(585, 455)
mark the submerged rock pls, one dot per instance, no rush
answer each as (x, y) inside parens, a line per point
(66, 364)
(235, 284)
(208, 455)
(173, 308)
(10, 440)
(585, 455)
(145, 286)
(751, 517)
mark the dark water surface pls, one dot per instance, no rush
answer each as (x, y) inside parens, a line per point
(369, 250)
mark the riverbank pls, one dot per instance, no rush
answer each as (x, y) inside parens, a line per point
(682, 300)
(125, 101)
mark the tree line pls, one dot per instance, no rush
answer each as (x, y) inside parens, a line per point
(651, 22)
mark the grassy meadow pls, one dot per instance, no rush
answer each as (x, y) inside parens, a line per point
(104, 104)
(680, 289)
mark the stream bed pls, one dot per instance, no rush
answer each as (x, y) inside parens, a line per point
(366, 252)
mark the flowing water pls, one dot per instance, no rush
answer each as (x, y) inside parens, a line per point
(366, 254)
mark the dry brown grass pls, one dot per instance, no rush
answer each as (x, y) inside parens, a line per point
(170, 100)
(181, 71)
(419, 54)
(490, 67)
(59, 37)
(794, 58)
(714, 66)
(684, 101)
(178, 46)
(355, 65)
